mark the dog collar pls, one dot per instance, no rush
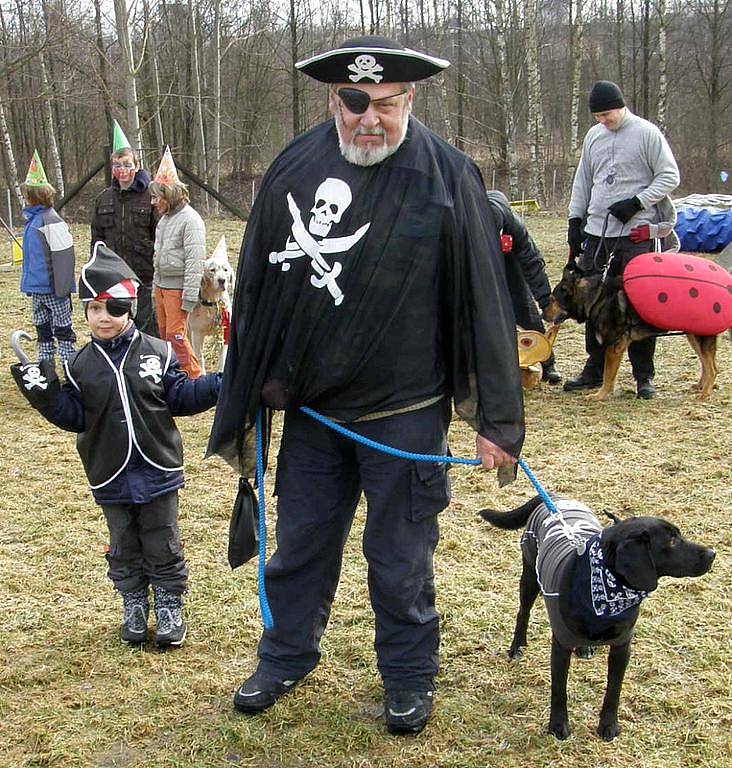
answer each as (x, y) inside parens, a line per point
(208, 303)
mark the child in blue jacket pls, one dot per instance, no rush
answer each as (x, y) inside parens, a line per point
(48, 265)
(122, 390)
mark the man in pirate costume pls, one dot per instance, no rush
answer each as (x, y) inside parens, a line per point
(122, 390)
(371, 287)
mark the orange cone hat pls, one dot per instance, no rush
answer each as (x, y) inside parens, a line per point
(167, 173)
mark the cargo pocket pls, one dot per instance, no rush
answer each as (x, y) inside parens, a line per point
(429, 491)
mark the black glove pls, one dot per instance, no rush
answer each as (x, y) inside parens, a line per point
(575, 238)
(38, 382)
(624, 210)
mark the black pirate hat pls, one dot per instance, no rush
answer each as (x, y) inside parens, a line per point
(371, 59)
(106, 276)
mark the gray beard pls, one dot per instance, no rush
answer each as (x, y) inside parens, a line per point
(367, 156)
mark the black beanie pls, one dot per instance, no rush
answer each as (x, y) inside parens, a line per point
(604, 96)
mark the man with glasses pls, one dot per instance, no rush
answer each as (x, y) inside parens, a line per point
(371, 287)
(124, 220)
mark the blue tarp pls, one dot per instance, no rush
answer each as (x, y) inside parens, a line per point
(703, 229)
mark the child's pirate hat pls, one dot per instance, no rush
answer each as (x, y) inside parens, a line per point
(119, 140)
(167, 172)
(371, 59)
(36, 176)
(107, 276)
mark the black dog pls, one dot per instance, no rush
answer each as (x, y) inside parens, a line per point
(593, 580)
(587, 296)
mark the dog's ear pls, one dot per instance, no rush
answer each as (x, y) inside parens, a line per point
(634, 563)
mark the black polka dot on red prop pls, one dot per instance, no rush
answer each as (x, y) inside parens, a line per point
(663, 297)
(693, 293)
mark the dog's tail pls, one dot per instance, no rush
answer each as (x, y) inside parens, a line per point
(513, 518)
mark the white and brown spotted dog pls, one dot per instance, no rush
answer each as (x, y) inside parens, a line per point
(212, 314)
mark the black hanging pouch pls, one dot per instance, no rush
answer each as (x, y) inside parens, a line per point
(244, 526)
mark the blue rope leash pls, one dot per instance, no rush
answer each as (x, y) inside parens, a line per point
(263, 601)
(423, 456)
(432, 458)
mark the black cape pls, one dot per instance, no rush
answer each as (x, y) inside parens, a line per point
(363, 290)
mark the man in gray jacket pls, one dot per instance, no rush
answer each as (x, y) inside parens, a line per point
(626, 169)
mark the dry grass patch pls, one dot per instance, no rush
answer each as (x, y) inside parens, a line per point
(71, 695)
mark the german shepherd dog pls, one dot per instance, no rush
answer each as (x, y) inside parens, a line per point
(592, 594)
(601, 300)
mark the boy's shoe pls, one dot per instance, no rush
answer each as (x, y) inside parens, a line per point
(260, 691)
(407, 711)
(170, 629)
(134, 622)
(550, 374)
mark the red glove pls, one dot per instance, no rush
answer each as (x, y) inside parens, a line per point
(640, 234)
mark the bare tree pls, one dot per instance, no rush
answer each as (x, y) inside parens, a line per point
(662, 74)
(575, 48)
(537, 173)
(129, 74)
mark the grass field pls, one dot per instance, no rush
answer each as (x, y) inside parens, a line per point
(71, 695)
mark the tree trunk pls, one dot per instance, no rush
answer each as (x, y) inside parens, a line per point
(216, 129)
(537, 173)
(129, 76)
(662, 74)
(103, 69)
(57, 170)
(10, 156)
(460, 95)
(619, 38)
(294, 75)
(575, 47)
(646, 60)
(200, 135)
(506, 101)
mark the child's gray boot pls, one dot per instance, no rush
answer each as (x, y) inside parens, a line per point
(134, 622)
(171, 629)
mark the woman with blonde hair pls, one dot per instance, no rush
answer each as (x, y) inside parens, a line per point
(180, 250)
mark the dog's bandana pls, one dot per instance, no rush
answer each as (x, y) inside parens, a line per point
(599, 597)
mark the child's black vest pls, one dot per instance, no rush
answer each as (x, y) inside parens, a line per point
(125, 408)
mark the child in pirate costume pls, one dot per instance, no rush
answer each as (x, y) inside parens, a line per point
(122, 390)
(48, 265)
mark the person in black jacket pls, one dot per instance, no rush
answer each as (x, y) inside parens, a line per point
(124, 220)
(122, 390)
(527, 280)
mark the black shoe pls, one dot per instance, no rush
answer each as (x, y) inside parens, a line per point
(550, 374)
(260, 691)
(407, 711)
(646, 390)
(585, 380)
(134, 622)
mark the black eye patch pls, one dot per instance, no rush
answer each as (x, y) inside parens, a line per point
(119, 307)
(356, 101)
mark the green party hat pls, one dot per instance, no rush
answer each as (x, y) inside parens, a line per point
(36, 176)
(119, 140)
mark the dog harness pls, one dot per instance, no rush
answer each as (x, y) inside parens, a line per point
(598, 599)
